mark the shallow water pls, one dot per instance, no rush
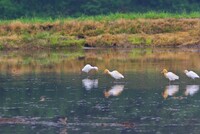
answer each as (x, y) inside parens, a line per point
(36, 89)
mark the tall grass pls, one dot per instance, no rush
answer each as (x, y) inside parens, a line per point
(117, 29)
(147, 15)
(109, 17)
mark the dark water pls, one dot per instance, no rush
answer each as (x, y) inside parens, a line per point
(33, 101)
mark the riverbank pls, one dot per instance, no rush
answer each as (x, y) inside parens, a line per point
(120, 32)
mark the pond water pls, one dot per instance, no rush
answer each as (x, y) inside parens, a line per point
(37, 89)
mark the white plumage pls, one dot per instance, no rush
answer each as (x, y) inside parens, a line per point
(170, 90)
(89, 84)
(169, 75)
(191, 90)
(87, 68)
(114, 91)
(191, 74)
(115, 74)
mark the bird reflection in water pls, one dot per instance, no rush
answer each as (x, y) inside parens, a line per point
(42, 98)
(90, 84)
(63, 130)
(191, 90)
(114, 91)
(170, 91)
(62, 120)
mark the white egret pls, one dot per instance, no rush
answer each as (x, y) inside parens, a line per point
(114, 74)
(169, 75)
(87, 68)
(191, 74)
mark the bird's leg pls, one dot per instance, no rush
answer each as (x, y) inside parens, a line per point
(80, 73)
(169, 82)
(194, 81)
(89, 76)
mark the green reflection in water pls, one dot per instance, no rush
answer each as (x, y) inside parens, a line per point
(19, 62)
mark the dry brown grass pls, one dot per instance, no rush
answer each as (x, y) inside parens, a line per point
(109, 40)
(12, 37)
(120, 33)
(91, 28)
(175, 39)
(17, 26)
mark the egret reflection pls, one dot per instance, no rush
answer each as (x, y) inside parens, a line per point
(191, 90)
(114, 91)
(42, 98)
(170, 91)
(89, 84)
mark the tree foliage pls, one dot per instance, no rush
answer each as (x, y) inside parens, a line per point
(55, 8)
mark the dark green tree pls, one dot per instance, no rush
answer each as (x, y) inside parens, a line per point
(55, 8)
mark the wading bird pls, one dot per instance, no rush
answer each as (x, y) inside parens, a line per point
(169, 75)
(114, 74)
(191, 74)
(87, 68)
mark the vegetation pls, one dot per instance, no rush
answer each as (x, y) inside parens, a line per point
(108, 17)
(42, 8)
(114, 30)
(104, 23)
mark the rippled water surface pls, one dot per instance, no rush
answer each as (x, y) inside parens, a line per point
(39, 89)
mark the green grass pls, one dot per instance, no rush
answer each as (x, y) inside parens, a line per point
(148, 15)
(52, 40)
(52, 58)
(109, 17)
(56, 41)
(140, 40)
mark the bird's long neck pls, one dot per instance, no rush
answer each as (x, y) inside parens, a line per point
(165, 72)
(96, 68)
(108, 72)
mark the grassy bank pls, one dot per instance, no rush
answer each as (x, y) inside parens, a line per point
(115, 30)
